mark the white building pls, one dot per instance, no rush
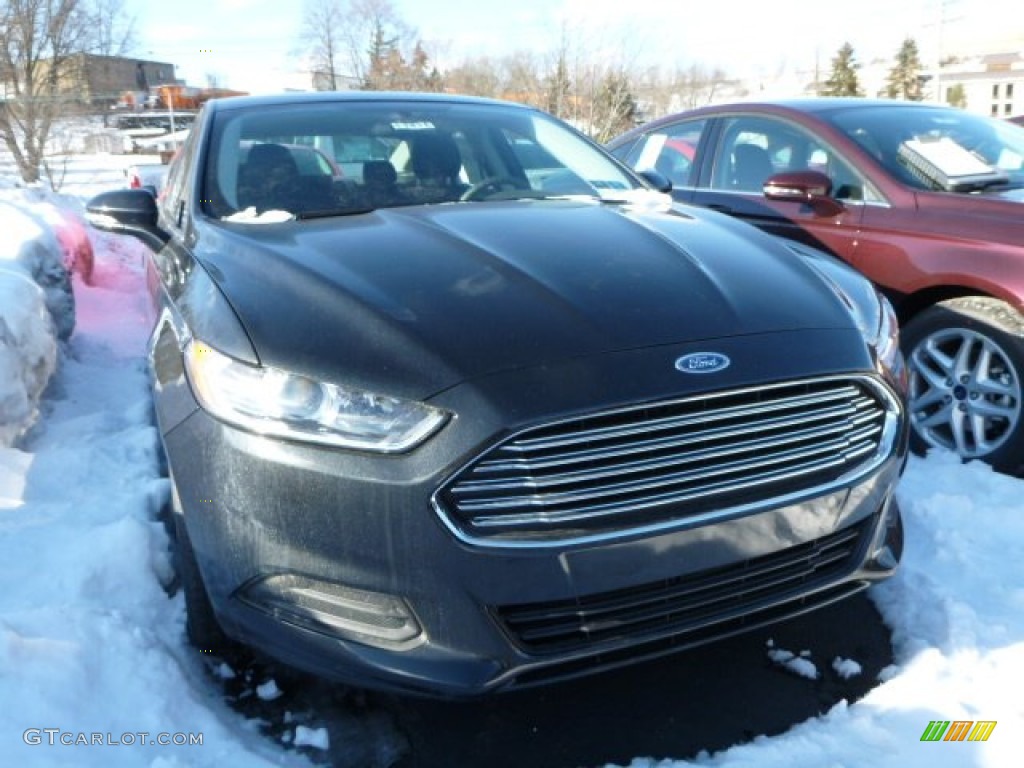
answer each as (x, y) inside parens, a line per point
(991, 84)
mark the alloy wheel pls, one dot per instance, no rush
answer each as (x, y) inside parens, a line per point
(965, 393)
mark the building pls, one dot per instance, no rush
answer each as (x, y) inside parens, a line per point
(992, 84)
(97, 80)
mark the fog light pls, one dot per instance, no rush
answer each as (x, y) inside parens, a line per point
(333, 609)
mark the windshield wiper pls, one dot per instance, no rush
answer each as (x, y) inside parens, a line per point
(329, 212)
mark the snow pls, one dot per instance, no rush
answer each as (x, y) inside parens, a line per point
(268, 691)
(846, 668)
(28, 353)
(91, 646)
(312, 737)
(797, 664)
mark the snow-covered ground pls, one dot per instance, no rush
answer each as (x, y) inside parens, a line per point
(92, 649)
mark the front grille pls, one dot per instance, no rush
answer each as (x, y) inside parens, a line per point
(695, 607)
(668, 462)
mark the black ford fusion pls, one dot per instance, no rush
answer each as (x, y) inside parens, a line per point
(453, 402)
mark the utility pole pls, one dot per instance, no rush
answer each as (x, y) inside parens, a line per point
(940, 25)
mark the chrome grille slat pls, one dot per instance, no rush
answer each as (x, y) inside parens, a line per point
(594, 511)
(828, 449)
(634, 466)
(659, 463)
(524, 444)
(661, 443)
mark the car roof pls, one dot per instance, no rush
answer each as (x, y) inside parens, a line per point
(810, 106)
(335, 97)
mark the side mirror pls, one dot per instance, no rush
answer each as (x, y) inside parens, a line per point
(128, 212)
(656, 180)
(810, 187)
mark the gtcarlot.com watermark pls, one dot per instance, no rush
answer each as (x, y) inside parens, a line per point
(57, 737)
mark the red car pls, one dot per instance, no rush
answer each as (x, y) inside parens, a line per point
(925, 200)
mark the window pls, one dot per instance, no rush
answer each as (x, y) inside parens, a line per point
(670, 151)
(754, 148)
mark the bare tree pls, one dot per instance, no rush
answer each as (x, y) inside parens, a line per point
(475, 77)
(114, 29)
(38, 43)
(349, 42)
(522, 80)
(321, 30)
(614, 107)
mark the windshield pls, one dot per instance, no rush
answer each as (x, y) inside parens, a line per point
(938, 148)
(336, 158)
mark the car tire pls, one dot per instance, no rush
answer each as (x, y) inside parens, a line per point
(201, 625)
(966, 361)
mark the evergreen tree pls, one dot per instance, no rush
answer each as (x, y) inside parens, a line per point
(904, 80)
(956, 96)
(843, 81)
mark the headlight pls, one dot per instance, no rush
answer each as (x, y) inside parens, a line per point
(871, 311)
(887, 338)
(877, 321)
(271, 401)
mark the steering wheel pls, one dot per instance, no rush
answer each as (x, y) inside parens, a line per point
(492, 185)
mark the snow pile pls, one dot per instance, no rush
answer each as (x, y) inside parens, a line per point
(36, 306)
(30, 245)
(44, 239)
(28, 353)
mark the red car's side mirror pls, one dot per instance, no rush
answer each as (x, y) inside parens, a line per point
(811, 187)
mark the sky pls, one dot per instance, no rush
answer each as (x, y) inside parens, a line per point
(90, 642)
(254, 45)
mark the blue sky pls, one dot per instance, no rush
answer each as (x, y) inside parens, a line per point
(254, 44)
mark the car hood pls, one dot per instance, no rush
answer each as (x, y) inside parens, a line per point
(416, 300)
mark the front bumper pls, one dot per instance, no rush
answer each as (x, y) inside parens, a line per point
(298, 544)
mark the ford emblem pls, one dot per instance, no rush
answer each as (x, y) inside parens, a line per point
(702, 362)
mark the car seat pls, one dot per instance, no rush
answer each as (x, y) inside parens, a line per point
(436, 163)
(751, 166)
(267, 168)
(379, 184)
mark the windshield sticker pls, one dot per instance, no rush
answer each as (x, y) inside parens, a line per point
(416, 125)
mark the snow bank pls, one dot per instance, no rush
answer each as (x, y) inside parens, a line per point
(28, 353)
(30, 244)
(44, 239)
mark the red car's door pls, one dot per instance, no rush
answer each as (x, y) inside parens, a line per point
(751, 148)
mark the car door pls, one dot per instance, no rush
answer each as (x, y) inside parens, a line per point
(747, 149)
